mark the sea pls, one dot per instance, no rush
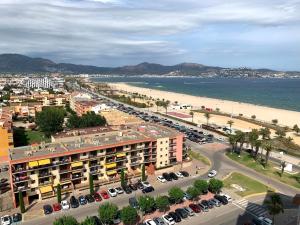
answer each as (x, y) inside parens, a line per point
(276, 93)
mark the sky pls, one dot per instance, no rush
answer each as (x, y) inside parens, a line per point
(228, 33)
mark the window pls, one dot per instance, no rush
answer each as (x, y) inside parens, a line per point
(160, 155)
(166, 141)
(166, 154)
(32, 172)
(161, 142)
(160, 163)
(84, 154)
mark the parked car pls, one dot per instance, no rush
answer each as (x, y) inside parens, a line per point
(117, 218)
(133, 187)
(150, 222)
(127, 189)
(119, 190)
(173, 176)
(56, 207)
(182, 213)
(189, 211)
(104, 194)
(175, 217)
(82, 200)
(74, 202)
(112, 192)
(167, 177)
(186, 196)
(228, 198)
(184, 173)
(5, 220)
(222, 199)
(97, 221)
(16, 217)
(180, 175)
(203, 207)
(146, 184)
(47, 209)
(133, 202)
(265, 220)
(216, 202)
(89, 198)
(148, 189)
(158, 221)
(210, 204)
(97, 197)
(168, 219)
(212, 173)
(65, 205)
(195, 207)
(161, 179)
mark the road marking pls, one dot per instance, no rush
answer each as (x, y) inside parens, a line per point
(250, 207)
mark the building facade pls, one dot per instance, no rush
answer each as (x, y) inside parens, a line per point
(103, 154)
(6, 133)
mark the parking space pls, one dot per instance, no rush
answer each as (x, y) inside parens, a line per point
(5, 191)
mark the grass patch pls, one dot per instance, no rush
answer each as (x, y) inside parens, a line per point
(198, 156)
(270, 171)
(250, 185)
(24, 137)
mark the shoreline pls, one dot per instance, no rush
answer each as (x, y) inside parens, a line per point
(263, 113)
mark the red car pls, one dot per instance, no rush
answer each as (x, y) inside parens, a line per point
(195, 208)
(56, 207)
(97, 197)
(104, 194)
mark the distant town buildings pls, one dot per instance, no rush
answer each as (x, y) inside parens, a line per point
(44, 82)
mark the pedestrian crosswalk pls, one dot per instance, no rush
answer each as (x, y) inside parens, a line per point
(251, 207)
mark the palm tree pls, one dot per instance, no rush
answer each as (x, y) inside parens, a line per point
(274, 205)
(253, 137)
(232, 141)
(268, 148)
(274, 121)
(157, 103)
(257, 145)
(207, 116)
(192, 114)
(241, 138)
(296, 128)
(166, 104)
(283, 165)
(265, 133)
(230, 122)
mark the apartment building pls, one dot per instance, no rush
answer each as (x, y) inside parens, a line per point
(99, 152)
(78, 96)
(6, 133)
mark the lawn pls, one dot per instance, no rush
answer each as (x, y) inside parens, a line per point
(270, 171)
(250, 185)
(198, 156)
(24, 137)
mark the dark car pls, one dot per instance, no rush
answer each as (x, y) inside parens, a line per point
(82, 200)
(195, 208)
(97, 221)
(127, 189)
(182, 213)
(203, 207)
(89, 198)
(175, 217)
(167, 176)
(184, 173)
(117, 218)
(47, 209)
(173, 176)
(17, 217)
(148, 189)
(222, 199)
(210, 204)
(133, 187)
(133, 202)
(97, 197)
(139, 185)
(74, 202)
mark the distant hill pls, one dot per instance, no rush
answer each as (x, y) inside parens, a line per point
(15, 63)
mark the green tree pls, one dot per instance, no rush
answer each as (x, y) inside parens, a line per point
(207, 116)
(257, 145)
(162, 203)
(176, 193)
(166, 104)
(91, 184)
(274, 205)
(90, 119)
(88, 221)
(232, 142)
(268, 148)
(215, 185)
(146, 203)
(144, 177)
(66, 220)
(241, 138)
(253, 117)
(107, 212)
(253, 137)
(192, 114)
(58, 193)
(193, 192)
(123, 179)
(282, 165)
(280, 133)
(296, 128)
(129, 215)
(275, 121)
(21, 203)
(201, 185)
(50, 120)
(230, 123)
(265, 133)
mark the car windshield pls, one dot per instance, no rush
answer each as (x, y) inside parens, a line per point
(5, 218)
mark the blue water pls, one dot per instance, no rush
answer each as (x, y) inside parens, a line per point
(277, 93)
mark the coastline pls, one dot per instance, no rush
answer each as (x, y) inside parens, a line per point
(264, 113)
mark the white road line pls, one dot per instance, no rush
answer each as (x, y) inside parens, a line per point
(237, 205)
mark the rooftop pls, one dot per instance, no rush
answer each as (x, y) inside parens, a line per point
(126, 135)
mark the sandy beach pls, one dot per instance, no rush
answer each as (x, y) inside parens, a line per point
(284, 117)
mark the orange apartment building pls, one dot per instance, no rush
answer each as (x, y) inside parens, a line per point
(6, 134)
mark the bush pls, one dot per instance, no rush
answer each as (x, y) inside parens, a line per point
(162, 203)
(129, 215)
(176, 193)
(107, 212)
(215, 185)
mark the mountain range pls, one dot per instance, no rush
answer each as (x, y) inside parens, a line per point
(16, 63)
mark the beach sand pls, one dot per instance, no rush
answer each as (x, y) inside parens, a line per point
(284, 117)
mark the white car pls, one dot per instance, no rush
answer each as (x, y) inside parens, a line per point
(146, 184)
(150, 222)
(5, 220)
(229, 199)
(65, 205)
(161, 179)
(265, 220)
(119, 190)
(112, 192)
(212, 173)
(168, 219)
(178, 174)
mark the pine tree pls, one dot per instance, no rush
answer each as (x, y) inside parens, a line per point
(91, 183)
(21, 202)
(58, 193)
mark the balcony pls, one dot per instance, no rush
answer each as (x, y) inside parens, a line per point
(44, 174)
(76, 176)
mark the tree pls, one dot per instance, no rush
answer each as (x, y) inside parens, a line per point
(265, 133)
(166, 104)
(215, 185)
(241, 138)
(50, 120)
(90, 119)
(21, 202)
(201, 185)
(107, 212)
(253, 117)
(274, 121)
(146, 203)
(58, 193)
(230, 122)
(207, 116)
(193, 192)
(176, 193)
(123, 179)
(257, 145)
(144, 177)
(162, 203)
(282, 165)
(88, 221)
(268, 148)
(91, 184)
(232, 142)
(129, 215)
(274, 205)
(192, 114)
(280, 133)
(253, 137)
(158, 104)
(296, 128)
(66, 220)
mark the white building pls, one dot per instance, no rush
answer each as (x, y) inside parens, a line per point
(44, 82)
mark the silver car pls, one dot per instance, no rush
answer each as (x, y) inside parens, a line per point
(189, 211)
